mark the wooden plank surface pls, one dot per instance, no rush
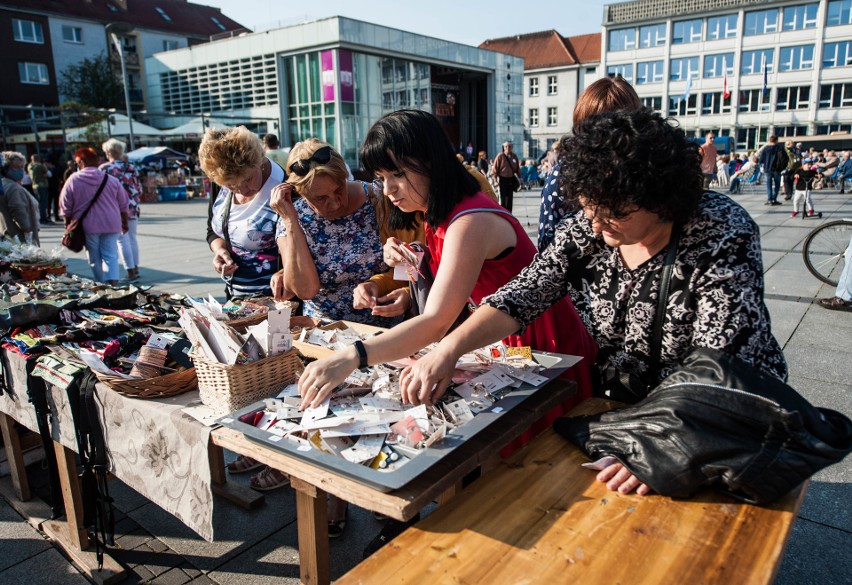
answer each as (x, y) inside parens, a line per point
(15, 457)
(66, 462)
(312, 518)
(541, 518)
(242, 496)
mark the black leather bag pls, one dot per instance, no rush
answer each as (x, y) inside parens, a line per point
(719, 422)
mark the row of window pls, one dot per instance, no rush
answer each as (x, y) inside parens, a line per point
(552, 86)
(28, 31)
(795, 58)
(533, 117)
(758, 22)
(837, 95)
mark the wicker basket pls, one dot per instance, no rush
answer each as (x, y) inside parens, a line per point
(241, 324)
(158, 387)
(227, 388)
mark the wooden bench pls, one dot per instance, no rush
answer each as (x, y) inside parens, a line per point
(541, 518)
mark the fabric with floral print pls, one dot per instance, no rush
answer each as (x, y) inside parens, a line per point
(715, 299)
(128, 176)
(553, 209)
(251, 228)
(346, 252)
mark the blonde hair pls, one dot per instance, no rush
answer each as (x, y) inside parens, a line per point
(335, 168)
(227, 153)
(114, 148)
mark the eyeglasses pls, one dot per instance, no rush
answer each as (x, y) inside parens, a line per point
(320, 157)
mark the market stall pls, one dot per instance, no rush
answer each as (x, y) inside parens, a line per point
(162, 172)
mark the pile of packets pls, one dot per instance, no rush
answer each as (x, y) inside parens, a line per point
(335, 337)
(242, 308)
(364, 421)
(139, 354)
(212, 338)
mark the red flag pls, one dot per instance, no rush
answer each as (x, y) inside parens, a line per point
(726, 92)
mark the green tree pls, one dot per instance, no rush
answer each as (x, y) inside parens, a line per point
(93, 83)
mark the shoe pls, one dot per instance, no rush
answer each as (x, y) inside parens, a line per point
(836, 304)
(243, 464)
(810, 212)
(775, 203)
(767, 203)
(794, 214)
(335, 529)
(390, 530)
(269, 479)
(787, 198)
(46, 222)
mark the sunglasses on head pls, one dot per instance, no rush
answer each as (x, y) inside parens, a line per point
(320, 157)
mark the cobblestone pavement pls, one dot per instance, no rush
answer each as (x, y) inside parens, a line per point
(260, 546)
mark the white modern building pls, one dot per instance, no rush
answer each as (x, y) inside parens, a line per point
(332, 78)
(556, 71)
(787, 66)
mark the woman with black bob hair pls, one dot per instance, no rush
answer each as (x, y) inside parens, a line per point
(639, 184)
(475, 247)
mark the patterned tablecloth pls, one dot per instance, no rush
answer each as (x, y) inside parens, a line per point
(154, 447)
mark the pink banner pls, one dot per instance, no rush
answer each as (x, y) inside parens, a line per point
(347, 78)
(328, 77)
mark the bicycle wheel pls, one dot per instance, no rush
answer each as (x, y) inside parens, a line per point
(824, 248)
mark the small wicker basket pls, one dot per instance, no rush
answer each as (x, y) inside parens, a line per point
(158, 387)
(226, 388)
(241, 324)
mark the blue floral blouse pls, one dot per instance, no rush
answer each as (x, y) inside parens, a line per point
(346, 251)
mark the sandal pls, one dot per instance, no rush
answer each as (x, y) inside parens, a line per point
(269, 479)
(243, 464)
(336, 527)
(836, 304)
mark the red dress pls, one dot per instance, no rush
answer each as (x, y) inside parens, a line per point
(558, 330)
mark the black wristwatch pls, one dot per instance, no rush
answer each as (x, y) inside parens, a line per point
(362, 354)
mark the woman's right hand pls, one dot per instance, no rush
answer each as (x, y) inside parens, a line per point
(279, 290)
(281, 200)
(394, 252)
(364, 295)
(223, 263)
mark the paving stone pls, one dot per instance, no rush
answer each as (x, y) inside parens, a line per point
(203, 580)
(816, 554)
(133, 540)
(140, 574)
(46, 568)
(157, 545)
(172, 577)
(20, 540)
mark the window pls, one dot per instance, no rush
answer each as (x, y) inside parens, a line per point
(170, 45)
(653, 102)
(829, 128)
(789, 131)
(793, 98)
(533, 117)
(687, 31)
(551, 85)
(721, 27)
(162, 13)
(750, 138)
(837, 95)
(653, 35)
(799, 17)
(837, 54)
(621, 39)
(625, 70)
(753, 100)
(533, 86)
(27, 31)
(761, 22)
(839, 13)
(217, 23)
(752, 61)
(717, 65)
(795, 58)
(35, 73)
(649, 72)
(551, 116)
(683, 107)
(715, 103)
(683, 68)
(72, 34)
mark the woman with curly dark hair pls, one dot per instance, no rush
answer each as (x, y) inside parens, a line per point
(640, 187)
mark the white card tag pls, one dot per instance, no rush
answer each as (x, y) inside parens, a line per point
(365, 449)
(289, 390)
(314, 414)
(378, 404)
(459, 411)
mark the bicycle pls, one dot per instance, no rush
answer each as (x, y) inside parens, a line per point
(824, 248)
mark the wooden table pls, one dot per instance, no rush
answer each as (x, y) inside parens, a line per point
(311, 482)
(541, 518)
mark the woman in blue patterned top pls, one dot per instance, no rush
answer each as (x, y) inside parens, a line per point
(330, 238)
(244, 249)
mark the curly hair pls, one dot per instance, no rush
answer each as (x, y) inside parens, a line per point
(619, 161)
(334, 169)
(229, 153)
(114, 148)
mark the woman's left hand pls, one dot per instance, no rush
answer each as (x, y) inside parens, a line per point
(427, 380)
(321, 377)
(393, 304)
(618, 478)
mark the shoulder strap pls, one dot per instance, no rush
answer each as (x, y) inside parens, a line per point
(95, 198)
(478, 210)
(663, 298)
(226, 215)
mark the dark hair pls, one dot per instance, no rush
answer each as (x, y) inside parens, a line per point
(607, 94)
(418, 142)
(621, 160)
(271, 141)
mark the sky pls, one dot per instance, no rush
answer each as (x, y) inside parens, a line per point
(469, 22)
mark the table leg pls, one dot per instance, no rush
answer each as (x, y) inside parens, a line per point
(312, 519)
(244, 497)
(15, 457)
(66, 461)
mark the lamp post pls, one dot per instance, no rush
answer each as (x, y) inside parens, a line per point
(113, 29)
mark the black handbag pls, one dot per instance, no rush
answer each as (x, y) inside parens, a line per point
(717, 421)
(74, 237)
